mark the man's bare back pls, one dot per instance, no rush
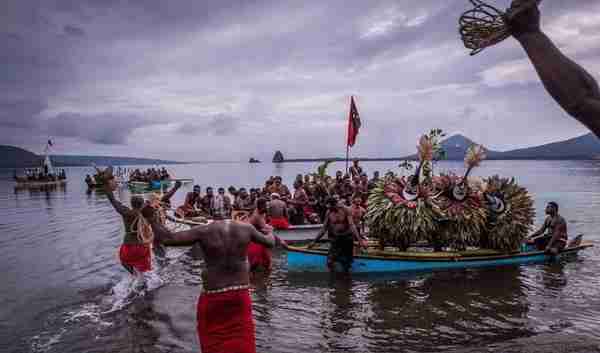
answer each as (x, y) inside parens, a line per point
(224, 244)
(277, 209)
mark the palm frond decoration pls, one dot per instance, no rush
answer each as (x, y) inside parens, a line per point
(475, 154)
(510, 214)
(425, 149)
(322, 169)
(396, 221)
(462, 221)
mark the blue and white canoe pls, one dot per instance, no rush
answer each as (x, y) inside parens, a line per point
(301, 259)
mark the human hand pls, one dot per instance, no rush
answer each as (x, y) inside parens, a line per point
(523, 17)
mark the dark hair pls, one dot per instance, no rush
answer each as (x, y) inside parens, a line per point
(553, 204)
(261, 203)
(137, 202)
(331, 201)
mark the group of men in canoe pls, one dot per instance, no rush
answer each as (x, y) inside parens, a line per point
(224, 311)
(307, 204)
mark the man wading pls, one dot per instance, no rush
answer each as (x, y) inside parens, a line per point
(224, 310)
(341, 232)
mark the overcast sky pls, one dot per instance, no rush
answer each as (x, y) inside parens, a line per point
(227, 80)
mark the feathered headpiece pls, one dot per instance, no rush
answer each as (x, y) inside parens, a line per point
(475, 154)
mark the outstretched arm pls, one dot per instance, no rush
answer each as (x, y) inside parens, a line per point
(118, 206)
(167, 237)
(542, 229)
(266, 240)
(167, 197)
(573, 88)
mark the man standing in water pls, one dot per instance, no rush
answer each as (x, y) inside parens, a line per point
(556, 237)
(574, 89)
(341, 232)
(135, 251)
(224, 310)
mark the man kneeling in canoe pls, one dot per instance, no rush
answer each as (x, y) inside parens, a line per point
(224, 310)
(341, 232)
(556, 237)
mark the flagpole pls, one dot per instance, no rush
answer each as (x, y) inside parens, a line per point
(347, 152)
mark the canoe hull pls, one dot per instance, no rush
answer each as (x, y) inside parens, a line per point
(39, 184)
(298, 233)
(315, 261)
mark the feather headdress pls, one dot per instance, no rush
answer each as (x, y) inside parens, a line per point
(475, 154)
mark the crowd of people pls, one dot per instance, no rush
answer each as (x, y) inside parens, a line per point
(150, 174)
(41, 175)
(306, 204)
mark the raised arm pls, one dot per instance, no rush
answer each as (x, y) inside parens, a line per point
(118, 206)
(167, 197)
(573, 88)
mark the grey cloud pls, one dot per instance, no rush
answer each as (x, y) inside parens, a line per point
(104, 129)
(20, 113)
(219, 125)
(74, 31)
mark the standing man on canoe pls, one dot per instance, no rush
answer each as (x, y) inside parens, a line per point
(135, 251)
(278, 215)
(224, 310)
(342, 233)
(556, 237)
(573, 88)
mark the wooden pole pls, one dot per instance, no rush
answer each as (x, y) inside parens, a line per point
(347, 153)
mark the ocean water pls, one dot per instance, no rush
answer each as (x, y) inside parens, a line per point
(63, 289)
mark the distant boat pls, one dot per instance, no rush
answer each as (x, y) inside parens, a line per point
(252, 160)
(44, 177)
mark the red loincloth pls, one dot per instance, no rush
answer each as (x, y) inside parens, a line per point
(137, 256)
(259, 256)
(279, 223)
(225, 322)
(308, 210)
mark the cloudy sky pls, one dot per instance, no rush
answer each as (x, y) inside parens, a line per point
(226, 80)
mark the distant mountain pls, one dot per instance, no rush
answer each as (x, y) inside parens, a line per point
(582, 147)
(15, 157)
(456, 146)
(11, 156)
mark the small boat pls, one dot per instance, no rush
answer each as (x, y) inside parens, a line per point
(29, 184)
(152, 185)
(195, 221)
(300, 258)
(51, 178)
(253, 160)
(299, 232)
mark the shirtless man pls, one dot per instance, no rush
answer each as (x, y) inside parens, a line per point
(556, 237)
(135, 251)
(259, 256)
(278, 215)
(188, 209)
(341, 232)
(574, 89)
(224, 311)
(243, 202)
(358, 212)
(279, 188)
(159, 203)
(299, 203)
(355, 170)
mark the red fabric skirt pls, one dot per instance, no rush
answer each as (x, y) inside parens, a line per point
(137, 256)
(225, 322)
(259, 256)
(280, 223)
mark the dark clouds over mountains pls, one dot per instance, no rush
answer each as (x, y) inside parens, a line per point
(230, 79)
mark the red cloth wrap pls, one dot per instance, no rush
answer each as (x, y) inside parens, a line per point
(259, 255)
(225, 322)
(137, 256)
(279, 223)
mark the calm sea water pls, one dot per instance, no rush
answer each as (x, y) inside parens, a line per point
(64, 291)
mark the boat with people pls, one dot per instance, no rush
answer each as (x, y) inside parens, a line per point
(43, 177)
(304, 259)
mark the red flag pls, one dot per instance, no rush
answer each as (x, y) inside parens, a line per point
(353, 123)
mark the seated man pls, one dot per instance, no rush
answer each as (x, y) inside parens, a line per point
(188, 208)
(278, 216)
(556, 237)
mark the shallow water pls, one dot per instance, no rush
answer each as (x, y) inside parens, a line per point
(64, 291)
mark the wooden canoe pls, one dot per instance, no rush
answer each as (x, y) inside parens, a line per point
(309, 260)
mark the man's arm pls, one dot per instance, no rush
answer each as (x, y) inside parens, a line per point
(167, 237)
(573, 88)
(350, 220)
(167, 197)
(266, 240)
(541, 230)
(118, 206)
(322, 231)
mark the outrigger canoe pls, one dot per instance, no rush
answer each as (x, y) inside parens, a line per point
(302, 259)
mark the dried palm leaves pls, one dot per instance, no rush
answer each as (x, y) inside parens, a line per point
(511, 214)
(484, 25)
